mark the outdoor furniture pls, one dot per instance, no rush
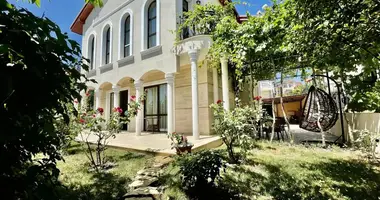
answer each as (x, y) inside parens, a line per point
(152, 124)
(327, 111)
(279, 127)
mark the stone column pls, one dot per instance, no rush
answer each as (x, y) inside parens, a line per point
(215, 84)
(194, 91)
(170, 88)
(98, 93)
(139, 91)
(116, 96)
(226, 99)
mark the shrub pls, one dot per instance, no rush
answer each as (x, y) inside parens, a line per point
(38, 79)
(236, 127)
(92, 123)
(198, 173)
(366, 141)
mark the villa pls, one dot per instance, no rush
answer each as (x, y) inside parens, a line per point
(132, 49)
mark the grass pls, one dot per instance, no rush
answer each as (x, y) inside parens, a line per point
(113, 184)
(281, 171)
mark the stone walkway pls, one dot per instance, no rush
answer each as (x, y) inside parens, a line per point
(145, 185)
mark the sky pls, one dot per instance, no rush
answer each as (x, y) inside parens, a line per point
(63, 12)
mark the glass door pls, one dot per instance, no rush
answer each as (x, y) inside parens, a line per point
(155, 112)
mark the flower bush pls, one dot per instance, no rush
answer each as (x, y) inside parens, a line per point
(236, 127)
(91, 124)
(178, 140)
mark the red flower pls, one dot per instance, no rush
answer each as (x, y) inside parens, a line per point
(118, 109)
(87, 94)
(76, 101)
(94, 115)
(100, 110)
(219, 101)
(257, 98)
(133, 97)
(82, 121)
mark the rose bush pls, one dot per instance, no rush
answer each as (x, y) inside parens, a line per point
(94, 129)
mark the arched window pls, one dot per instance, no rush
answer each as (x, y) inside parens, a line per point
(92, 53)
(152, 31)
(127, 36)
(108, 46)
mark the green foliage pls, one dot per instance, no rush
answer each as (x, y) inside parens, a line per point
(236, 127)
(300, 89)
(363, 96)
(199, 172)
(39, 80)
(365, 141)
(334, 37)
(178, 140)
(89, 123)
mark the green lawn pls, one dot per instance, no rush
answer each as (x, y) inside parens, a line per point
(82, 184)
(281, 171)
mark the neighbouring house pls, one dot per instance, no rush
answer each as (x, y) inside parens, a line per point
(132, 49)
(269, 89)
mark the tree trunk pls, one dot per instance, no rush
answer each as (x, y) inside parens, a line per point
(283, 111)
(351, 128)
(273, 120)
(319, 124)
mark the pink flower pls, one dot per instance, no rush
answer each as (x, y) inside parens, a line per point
(219, 101)
(118, 109)
(94, 115)
(257, 98)
(87, 94)
(133, 97)
(76, 101)
(100, 110)
(82, 121)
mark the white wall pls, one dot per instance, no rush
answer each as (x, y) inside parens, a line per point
(362, 121)
(111, 13)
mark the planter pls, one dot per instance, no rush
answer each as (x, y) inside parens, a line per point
(182, 150)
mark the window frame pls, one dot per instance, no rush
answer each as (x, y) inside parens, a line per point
(127, 36)
(108, 46)
(92, 53)
(149, 21)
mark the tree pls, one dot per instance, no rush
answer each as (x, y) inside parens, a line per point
(39, 80)
(300, 34)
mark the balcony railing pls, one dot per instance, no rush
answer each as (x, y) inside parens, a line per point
(195, 30)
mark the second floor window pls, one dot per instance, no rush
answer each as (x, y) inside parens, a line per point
(127, 37)
(152, 31)
(108, 46)
(92, 53)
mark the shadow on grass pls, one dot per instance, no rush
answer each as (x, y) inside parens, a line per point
(105, 186)
(334, 179)
(74, 148)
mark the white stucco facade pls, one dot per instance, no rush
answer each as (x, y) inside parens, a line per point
(189, 87)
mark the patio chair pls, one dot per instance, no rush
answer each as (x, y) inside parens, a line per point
(152, 124)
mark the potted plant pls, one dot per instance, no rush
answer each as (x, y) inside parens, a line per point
(180, 143)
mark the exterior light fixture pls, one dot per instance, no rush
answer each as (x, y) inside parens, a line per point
(198, 2)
